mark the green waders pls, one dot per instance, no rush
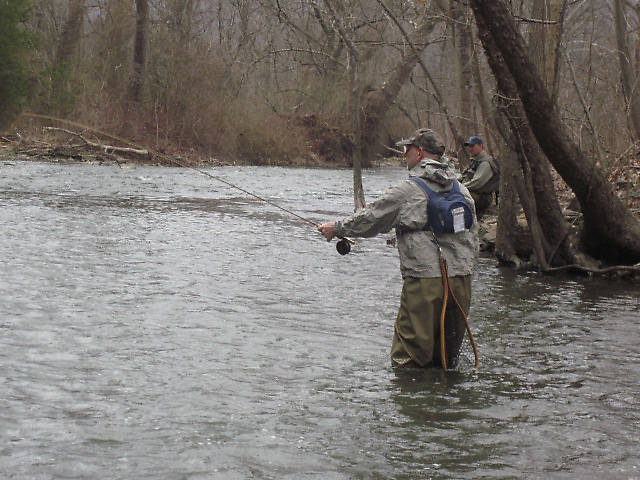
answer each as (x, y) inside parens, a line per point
(482, 202)
(416, 337)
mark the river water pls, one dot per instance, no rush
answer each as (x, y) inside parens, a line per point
(156, 324)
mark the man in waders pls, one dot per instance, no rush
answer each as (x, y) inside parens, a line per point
(482, 176)
(416, 338)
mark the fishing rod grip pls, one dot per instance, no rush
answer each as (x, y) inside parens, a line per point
(343, 246)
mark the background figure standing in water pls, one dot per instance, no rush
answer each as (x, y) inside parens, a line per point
(404, 207)
(482, 178)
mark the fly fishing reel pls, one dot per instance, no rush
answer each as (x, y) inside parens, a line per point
(344, 246)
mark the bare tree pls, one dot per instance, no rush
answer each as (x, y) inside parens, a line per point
(381, 99)
(610, 231)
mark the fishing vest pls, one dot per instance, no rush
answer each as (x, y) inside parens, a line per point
(493, 185)
(447, 212)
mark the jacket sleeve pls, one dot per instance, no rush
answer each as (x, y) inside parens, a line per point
(404, 205)
(481, 177)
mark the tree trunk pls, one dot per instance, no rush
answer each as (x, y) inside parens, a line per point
(509, 247)
(551, 239)
(356, 126)
(139, 49)
(611, 231)
(70, 33)
(355, 103)
(544, 39)
(629, 82)
(461, 16)
(481, 96)
(67, 44)
(462, 28)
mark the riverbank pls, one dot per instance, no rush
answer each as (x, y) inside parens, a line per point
(103, 154)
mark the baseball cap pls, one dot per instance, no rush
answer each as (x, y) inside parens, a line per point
(473, 141)
(426, 139)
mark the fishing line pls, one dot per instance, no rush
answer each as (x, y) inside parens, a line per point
(343, 246)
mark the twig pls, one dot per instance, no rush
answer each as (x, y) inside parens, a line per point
(535, 20)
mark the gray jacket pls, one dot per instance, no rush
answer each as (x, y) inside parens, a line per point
(404, 207)
(486, 177)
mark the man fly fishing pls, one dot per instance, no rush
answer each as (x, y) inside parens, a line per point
(436, 256)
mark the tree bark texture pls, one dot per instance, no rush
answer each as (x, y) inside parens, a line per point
(611, 232)
(628, 78)
(486, 110)
(355, 100)
(70, 33)
(544, 39)
(462, 28)
(356, 126)
(139, 49)
(461, 16)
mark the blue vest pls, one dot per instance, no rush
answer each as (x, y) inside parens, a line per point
(447, 212)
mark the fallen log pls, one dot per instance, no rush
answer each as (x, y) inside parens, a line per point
(109, 149)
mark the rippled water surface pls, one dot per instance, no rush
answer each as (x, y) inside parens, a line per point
(156, 324)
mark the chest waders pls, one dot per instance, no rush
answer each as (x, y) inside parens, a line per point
(446, 291)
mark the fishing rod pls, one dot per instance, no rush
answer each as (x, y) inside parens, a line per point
(343, 246)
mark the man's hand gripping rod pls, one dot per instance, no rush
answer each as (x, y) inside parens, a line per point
(328, 231)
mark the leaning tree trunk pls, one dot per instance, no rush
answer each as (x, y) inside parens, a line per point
(551, 238)
(379, 101)
(611, 231)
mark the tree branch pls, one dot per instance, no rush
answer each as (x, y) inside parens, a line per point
(104, 148)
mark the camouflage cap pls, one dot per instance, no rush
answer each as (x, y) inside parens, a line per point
(426, 139)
